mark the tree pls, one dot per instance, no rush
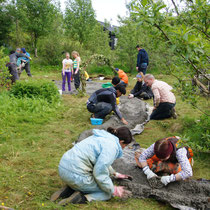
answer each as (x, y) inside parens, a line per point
(37, 18)
(182, 35)
(80, 19)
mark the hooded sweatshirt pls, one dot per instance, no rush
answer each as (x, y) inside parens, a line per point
(93, 156)
(142, 57)
(107, 95)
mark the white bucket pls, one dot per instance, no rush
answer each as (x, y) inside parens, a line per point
(60, 92)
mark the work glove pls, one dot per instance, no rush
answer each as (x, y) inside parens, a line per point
(119, 191)
(149, 173)
(123, 176)
(130, 96)
(167, 179)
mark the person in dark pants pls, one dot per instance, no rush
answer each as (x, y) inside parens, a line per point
(164, 99)
(141, 90)
(12, 65)
(103, 101)
(27, 64)
(76, 74)
(142, 60)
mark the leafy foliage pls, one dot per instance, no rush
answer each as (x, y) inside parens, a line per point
(35, 89)
(197, 133)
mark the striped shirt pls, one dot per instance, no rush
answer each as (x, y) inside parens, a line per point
(181, 156)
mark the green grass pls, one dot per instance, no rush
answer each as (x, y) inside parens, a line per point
(32, 143)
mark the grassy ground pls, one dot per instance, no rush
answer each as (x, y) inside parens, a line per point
(30, 151)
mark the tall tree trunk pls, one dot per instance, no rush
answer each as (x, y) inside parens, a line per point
(35, 45)
(17, 33)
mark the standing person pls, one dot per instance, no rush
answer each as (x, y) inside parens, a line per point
(164, 156)
(66, 71)
(141, 90)
(142, 60)
(27, 64)
(164, 99)
(76, 73)
(86, 168)
(123, 77)
(103, 101)
(12, 65)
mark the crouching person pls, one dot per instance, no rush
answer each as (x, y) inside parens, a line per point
(164, 156)
(103, 102)
(86, 168)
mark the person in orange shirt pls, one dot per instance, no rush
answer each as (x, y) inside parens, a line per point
(123, 76)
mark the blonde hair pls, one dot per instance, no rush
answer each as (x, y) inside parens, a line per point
(67, 53)
(75, 53)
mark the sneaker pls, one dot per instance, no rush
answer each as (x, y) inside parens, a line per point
(76, 198)
(64, 192)
(173, 113)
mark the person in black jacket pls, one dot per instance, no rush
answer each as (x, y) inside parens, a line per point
(141, 90)
(142, 60)
(103, 101)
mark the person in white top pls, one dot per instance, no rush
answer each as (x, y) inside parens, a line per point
(66, 71)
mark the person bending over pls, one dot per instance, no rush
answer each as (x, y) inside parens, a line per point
(164, 99)
(86, 168)
(123, 77)
(141, 90)
(164, 156)
(103, 101)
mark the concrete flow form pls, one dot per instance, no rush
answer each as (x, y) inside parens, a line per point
(185, 195)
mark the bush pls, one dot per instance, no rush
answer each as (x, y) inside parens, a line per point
(197, 132)
(36, 89)
(95, 69)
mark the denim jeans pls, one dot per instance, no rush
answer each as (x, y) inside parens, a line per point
(143, 68)
(100, 109)
(68, 75)
(163, 111)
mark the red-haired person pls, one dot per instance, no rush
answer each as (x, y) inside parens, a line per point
(164, 156)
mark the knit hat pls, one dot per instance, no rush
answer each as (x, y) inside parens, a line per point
(162, 151)
(23, 50)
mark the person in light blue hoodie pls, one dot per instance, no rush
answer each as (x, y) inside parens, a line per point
(86, 168)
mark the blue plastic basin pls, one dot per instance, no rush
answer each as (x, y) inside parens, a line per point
(96, 121)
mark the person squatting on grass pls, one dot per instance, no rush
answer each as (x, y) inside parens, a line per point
(164, 99)
(66, 71)
(103, 101)
(123, 77)
(76, 73)
(86, 168)
(164, 156)
(141, 90)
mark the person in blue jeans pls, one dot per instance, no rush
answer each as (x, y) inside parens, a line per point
(142, 60)
(86, 168)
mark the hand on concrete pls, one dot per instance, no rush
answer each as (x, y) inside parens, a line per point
(130, 96)
(149, 173)
(123, 176)
(119, 191)
(124, 121)
(167, 179)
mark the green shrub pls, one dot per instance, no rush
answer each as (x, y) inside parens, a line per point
(197, 132)
(35, 89)
(95, 69)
